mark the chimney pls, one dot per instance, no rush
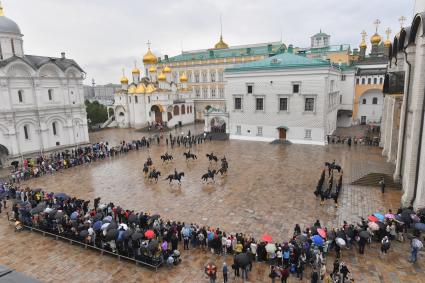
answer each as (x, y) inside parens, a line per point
(63, 55)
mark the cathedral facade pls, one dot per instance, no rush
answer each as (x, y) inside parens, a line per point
(42, 103)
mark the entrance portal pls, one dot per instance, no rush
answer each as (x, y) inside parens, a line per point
(158, 114)
(3, 155)
(282, 134)
(218, 125)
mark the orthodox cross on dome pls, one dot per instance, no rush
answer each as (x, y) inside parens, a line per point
(148, 44)
(388, 31)
(221, 25)
(401, 20)
(1, 9)
(135, 63)
(364, 34)
(377, 22)
(123, 72)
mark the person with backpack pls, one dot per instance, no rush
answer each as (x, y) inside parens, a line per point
(385, 245)
(415, 245)
(273, 274)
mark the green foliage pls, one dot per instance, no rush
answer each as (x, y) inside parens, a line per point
(96, 112)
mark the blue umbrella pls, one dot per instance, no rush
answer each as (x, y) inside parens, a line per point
(120, 235)
(420, 226)
(317, 240)
(97, 225)
(379, 216)
(61, 196)
(74, 215)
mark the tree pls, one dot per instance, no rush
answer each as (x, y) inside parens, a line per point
(96, 112)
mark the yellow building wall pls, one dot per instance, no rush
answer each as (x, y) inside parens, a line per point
(358, 92)
(344, 58)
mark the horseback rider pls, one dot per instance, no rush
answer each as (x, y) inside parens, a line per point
(176, 174)
(154, 170)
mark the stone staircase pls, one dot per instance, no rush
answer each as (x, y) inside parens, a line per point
(372, 179)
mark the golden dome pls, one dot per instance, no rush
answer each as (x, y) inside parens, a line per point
(132, 89)
(363, 44)
(124, 80)
(387, 43)
(183, 78)
(152, 69)
(135, 71)
(151, 88)
(221, 44)
(141, 88)
(162, 77)
(166, 70)
(375, 39)
(150, 58)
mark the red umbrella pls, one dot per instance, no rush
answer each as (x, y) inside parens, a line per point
(267, 238)
(321, 232)
(372, 218)
(149, 234)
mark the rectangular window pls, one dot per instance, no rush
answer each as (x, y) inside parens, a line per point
(259, 131)
(205, 92)
(238, 130)
(249, 88)
(54, 129)
(20, 96)
(307, 134)
(309, 105)
(129, 99)
(213, 92)
(221, 92)
(283, 104)
(196, 77)
(212, 74)
(295, 88)
(149, 99)
(342, 77)
(13, 46)
(357, 81)
(259, 104)
(50, 96)
(238, 103)
(197, 92)
(136, 99)
(26, 134)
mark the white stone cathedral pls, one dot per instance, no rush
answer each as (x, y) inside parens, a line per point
(42, 101)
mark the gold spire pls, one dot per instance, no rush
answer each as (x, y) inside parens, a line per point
(162, 77)
(149, 57)
(363, 43)
(221, 44)
(124, 79)
(376, 38)
(183, 78)
(388, 41)
(166, 70)
(1, 10)
(135, 70)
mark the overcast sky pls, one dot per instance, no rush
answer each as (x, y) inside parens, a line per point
(104, 36)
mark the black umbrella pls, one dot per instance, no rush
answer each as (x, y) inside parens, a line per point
(313, 230)
(62, 196)
(364, 234)
(98, 216)
(153, 245)
(112, 225)
(136, 236)
(154, 217)
(302, 238)
(84, 233)
(381, 225)
(350, 233)
(111, 235)
(242, 260)
(14, 163)
(36, 210)
(37, 190)
(133, 219)
(128, 233)
(405, 215)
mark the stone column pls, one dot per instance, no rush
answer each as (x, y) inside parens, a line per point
(384, 127)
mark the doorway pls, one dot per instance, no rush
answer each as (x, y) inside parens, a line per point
(282, 134)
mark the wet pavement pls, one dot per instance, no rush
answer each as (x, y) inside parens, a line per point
(269, 188)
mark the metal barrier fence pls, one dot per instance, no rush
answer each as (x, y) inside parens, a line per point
(102, 251)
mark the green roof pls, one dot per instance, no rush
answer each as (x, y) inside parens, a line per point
(281, 61)
(235, 51)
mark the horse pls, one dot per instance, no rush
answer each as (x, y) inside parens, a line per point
(208, 175)
(145, 169)
(333, 166)
(154, 175)
(166, 157)
(172, 177)
(212, 157)
(189, 155)
(149, 162)
(223, 170)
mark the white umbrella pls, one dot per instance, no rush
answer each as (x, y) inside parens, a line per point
(123, 226)
(271, 248)
(105, 226)
(340, 242)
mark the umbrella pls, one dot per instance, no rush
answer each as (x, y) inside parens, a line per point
(61, 196)
(372, 218)
(389, 216)
(317, 240)
(364, 234)
(97, 225)
(133, 219)
(164, 245)
(105, 226)
(321, 232)
(37, 190)
(302, 238)
(270, 248)
(36, 210)
(120, 237)
(415, 218)
(398, 218)
(381, 225)
(149, 234)
(122, 226)
(153, 245)
(267, 238)
(128, 233)
(405, 215)
(136, 236)
(379, 216)
(373, 226)
(242, 260)
(313, 230)
(420, 226)
(340, 242)
(111, 235)
(84, 233)
(112, 225)
(59, 214)
(98, 216)
(107, 219)
(74, 215)
(154, 217)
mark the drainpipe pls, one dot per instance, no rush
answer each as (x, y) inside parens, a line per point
(405, 113)
(421, 130)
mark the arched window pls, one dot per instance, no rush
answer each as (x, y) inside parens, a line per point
(183, 110)
(381, 80)
(187, 109)
(54, 128)
(364, 101)
(191, 109)
(121, 114)
(369, 81)
(20, 96)
(375, 81)
(176, 110)
(363, 81)
(375, 100)
(50, 94)
(26, 132)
